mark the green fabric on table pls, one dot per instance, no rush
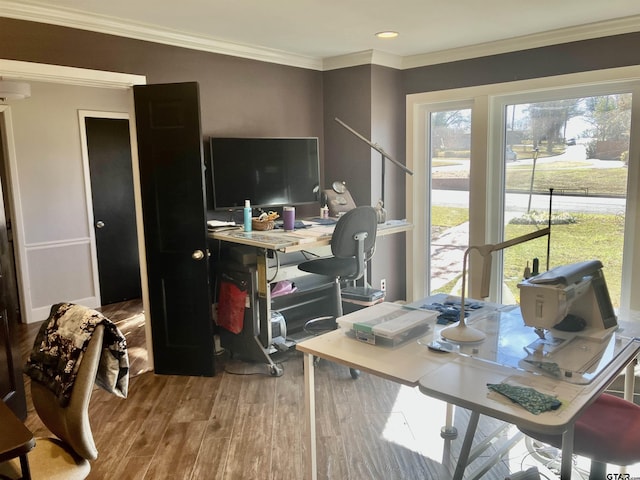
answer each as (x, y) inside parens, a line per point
(534, 401)
(549, 367)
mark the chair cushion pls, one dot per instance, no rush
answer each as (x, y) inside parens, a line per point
(49, 460)
(331, 266)
(608, 431)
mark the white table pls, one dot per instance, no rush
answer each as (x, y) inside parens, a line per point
(460, 380)
(406, 365)
(463, 381)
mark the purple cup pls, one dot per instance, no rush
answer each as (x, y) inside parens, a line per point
(289, 218)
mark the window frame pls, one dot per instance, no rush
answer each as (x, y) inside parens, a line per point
(487, 173)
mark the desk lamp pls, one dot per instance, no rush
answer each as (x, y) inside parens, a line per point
(380, 207)
(461, 332)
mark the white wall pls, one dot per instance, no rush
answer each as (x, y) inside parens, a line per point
(52, 227)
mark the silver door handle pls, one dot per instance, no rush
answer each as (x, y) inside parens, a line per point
(197, 255)
(99, 224)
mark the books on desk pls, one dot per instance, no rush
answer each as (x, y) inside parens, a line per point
(219, 224)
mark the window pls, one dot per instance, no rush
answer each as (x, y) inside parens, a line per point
(450, 147)
(578, 149)
(572, 133)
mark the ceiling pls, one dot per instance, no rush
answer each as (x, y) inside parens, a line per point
(326, 34)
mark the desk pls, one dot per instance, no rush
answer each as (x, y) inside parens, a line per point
(315, 238)
(301, 239)
(460, 380)
(15, 440)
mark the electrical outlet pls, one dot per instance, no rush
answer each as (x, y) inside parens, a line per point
(383, 285)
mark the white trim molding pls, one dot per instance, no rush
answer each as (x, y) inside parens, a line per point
(13, 69)
(86, 170)
(151, 33)
(525, 42)
(66, 17)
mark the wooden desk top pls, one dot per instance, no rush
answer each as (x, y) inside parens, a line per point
(301, 239)
(15, 438)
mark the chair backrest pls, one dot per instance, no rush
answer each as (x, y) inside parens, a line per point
(354, 236)
(71, 423)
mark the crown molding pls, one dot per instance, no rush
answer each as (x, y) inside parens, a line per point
(140, 31)
(12, 69)
(367, 57)
(525, 42)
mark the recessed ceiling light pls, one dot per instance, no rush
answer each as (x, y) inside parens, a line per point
(387, 34)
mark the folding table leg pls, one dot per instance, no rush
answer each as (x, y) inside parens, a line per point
(466, 446)
(567, 454)
(310, 402)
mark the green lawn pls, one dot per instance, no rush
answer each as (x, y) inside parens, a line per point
(559, 176)
(448, 217)
(610, 181)
(591, 237)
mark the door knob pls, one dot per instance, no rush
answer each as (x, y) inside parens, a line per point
(99, 224)
(197, 255)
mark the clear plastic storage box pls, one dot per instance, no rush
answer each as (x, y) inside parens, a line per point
(387, 324)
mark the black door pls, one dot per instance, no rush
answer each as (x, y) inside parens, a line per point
(11, 382)
(114, 212)
(173, 203)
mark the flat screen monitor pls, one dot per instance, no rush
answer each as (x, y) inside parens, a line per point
(269, 172)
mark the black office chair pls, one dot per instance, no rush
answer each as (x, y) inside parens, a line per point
(352, 245)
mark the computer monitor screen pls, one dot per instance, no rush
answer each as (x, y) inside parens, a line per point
(269, 172)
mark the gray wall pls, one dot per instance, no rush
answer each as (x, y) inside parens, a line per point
(238, 96)
(246, 97)
(369, 99)
(388, 131)
(586, 55)
(347, 96)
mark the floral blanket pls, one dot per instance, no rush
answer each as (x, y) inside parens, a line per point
(60, 346)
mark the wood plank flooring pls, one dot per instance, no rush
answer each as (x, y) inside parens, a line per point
(243, 424)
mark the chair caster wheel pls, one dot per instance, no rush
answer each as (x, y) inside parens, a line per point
(355, 374)
(275, 370)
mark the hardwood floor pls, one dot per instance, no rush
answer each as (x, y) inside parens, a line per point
(243, 424)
